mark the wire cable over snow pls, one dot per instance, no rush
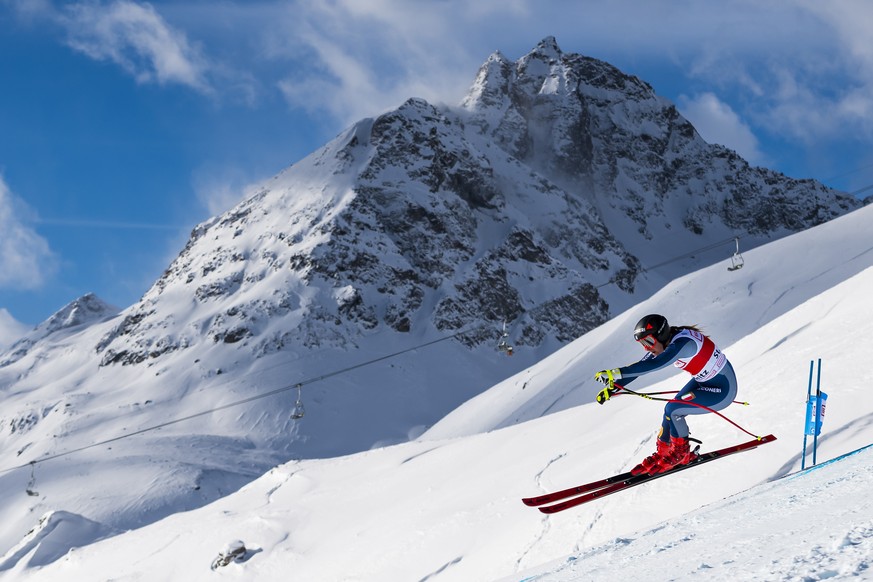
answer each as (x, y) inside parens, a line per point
(296, 385)
(733, 239)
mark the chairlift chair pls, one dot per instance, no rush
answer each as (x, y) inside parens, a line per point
(737, 261)
(298, 412)
(31, 485)
(504, 345)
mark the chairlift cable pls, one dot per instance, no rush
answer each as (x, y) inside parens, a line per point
(296, 385)
(299, 385)
(694, 252)
(677, 258)
(864, 189)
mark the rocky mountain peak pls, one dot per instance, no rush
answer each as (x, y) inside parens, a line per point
(557, 167)
(86, 309)
(82, 312)
(538, 65)
(492, 83)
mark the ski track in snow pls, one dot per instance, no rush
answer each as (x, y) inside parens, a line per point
(546, 524)
(442, 569)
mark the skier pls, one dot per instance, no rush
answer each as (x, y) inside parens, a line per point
(714, 384)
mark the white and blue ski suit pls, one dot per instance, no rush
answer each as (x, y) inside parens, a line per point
(713, 385)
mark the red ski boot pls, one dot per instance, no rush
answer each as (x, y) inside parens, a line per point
(650, 462)
(680, 454)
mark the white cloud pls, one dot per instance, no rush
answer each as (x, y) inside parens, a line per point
(350, 59)
(852, 23)
(716, 122)
(794, 72)
(30, 9)
(354, 59)
(10, 329)
(135, 37)
(220, 188)
(26, 261)
(802, 71)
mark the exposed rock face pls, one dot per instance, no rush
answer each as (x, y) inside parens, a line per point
(554, 167)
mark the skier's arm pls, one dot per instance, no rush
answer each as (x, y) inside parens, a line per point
(682, 347)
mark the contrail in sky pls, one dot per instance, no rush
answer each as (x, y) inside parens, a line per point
(77, 223)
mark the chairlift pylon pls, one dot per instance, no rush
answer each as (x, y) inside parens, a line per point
(298, 412)
(504, 345)
(737, 261)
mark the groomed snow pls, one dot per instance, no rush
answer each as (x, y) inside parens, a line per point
(817, 525)
(446, 507)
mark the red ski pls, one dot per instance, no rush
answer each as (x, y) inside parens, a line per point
(597, 489)
(574, 491)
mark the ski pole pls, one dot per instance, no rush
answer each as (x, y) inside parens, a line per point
(676, 392)
(707, 408)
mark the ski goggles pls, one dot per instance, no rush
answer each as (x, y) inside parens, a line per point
(646, 340)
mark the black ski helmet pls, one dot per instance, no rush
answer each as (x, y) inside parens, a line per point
(653, 325)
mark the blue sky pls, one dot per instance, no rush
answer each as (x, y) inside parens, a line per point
(123, 124)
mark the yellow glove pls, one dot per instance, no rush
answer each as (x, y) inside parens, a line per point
(604, 394)
(608, 377)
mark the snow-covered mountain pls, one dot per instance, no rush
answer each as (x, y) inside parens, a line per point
(82, 312)
(558, 175)
(449, 509)
(559, 194)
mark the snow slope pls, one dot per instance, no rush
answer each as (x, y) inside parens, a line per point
(562, 192)
(447, 507)
(727, 305)
(816, 525)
